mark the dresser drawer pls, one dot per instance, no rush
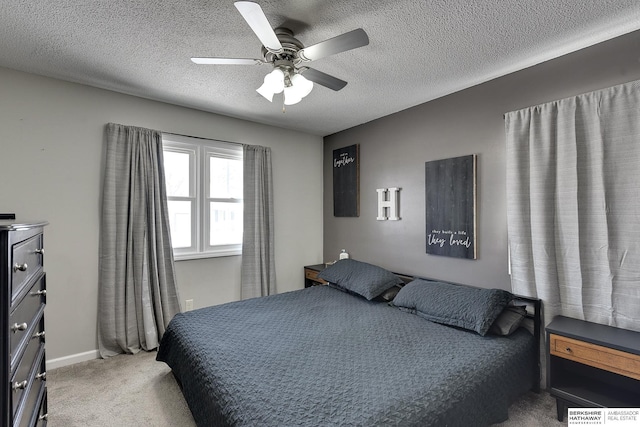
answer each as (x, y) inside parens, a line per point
(28, 367)
(609, 359)
(313, 275)
(42, 415)
(26, 407)
(26, 262)
(24, 316)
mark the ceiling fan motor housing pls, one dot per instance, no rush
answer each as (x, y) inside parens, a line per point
(290, 45)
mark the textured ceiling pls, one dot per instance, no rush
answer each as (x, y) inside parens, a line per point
(419, 49)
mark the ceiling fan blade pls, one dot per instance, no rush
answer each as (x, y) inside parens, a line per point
(323, 79)
(227, 61)
(342, 43)
(255, 17)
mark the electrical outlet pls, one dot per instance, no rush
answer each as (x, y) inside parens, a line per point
(188, 305)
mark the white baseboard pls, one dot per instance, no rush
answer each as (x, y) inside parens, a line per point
(72, 359)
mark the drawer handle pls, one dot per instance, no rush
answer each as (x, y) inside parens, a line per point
(568, 350)
(43, 417)
(39, 335)
(19, 385)
(20, 267)
(38, 293)
(19, 327)
(39, 251)
(41, 376)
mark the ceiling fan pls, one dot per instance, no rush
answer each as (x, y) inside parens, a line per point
(287, 55)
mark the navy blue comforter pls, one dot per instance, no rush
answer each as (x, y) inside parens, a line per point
(322, 357)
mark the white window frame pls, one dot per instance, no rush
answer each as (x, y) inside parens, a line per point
(200, 150)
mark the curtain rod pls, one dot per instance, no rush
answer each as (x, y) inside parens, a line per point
(201, 137)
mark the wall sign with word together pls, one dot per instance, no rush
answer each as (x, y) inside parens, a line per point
(346, 181)
(451, 207)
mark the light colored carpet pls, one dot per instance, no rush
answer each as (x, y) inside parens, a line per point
(136, 390)
(124, 390)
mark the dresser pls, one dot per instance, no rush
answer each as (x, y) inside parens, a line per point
(23, 386)
(592, 365)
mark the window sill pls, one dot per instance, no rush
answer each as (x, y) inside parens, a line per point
(188, 257)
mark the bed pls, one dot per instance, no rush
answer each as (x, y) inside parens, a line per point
(331, 356)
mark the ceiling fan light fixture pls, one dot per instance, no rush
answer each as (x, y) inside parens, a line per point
(302, 86)
(273, 83)
(291, 96)
(298, 88)
(266, 92)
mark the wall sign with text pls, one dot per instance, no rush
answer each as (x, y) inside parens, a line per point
(346, 181)
(451, 207)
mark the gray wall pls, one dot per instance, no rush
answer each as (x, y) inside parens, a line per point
(394, 149)
(51, 143)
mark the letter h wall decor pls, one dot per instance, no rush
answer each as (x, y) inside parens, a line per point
(451, 207)
(388, 204)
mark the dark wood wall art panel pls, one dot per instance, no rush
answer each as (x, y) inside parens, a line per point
(346, 181)
(451, 207)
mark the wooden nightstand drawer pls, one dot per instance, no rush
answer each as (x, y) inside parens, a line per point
(595, 355)
(313, 275)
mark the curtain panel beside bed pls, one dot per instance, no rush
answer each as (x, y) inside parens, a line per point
(258, 274)
(137, 286)
(573, 205)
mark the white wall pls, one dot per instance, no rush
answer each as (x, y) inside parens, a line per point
(51, 147)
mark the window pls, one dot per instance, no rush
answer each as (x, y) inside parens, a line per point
(204, 195)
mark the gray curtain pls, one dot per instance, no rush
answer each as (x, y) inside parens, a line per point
(258, 276)
(137, 286)
(573, 205)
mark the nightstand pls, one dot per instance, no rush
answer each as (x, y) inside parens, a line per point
(311, 275)
(592, 365)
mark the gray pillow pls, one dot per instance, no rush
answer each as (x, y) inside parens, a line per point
(456, 305)
(389, 294)
(508, 321)
(359, 277)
